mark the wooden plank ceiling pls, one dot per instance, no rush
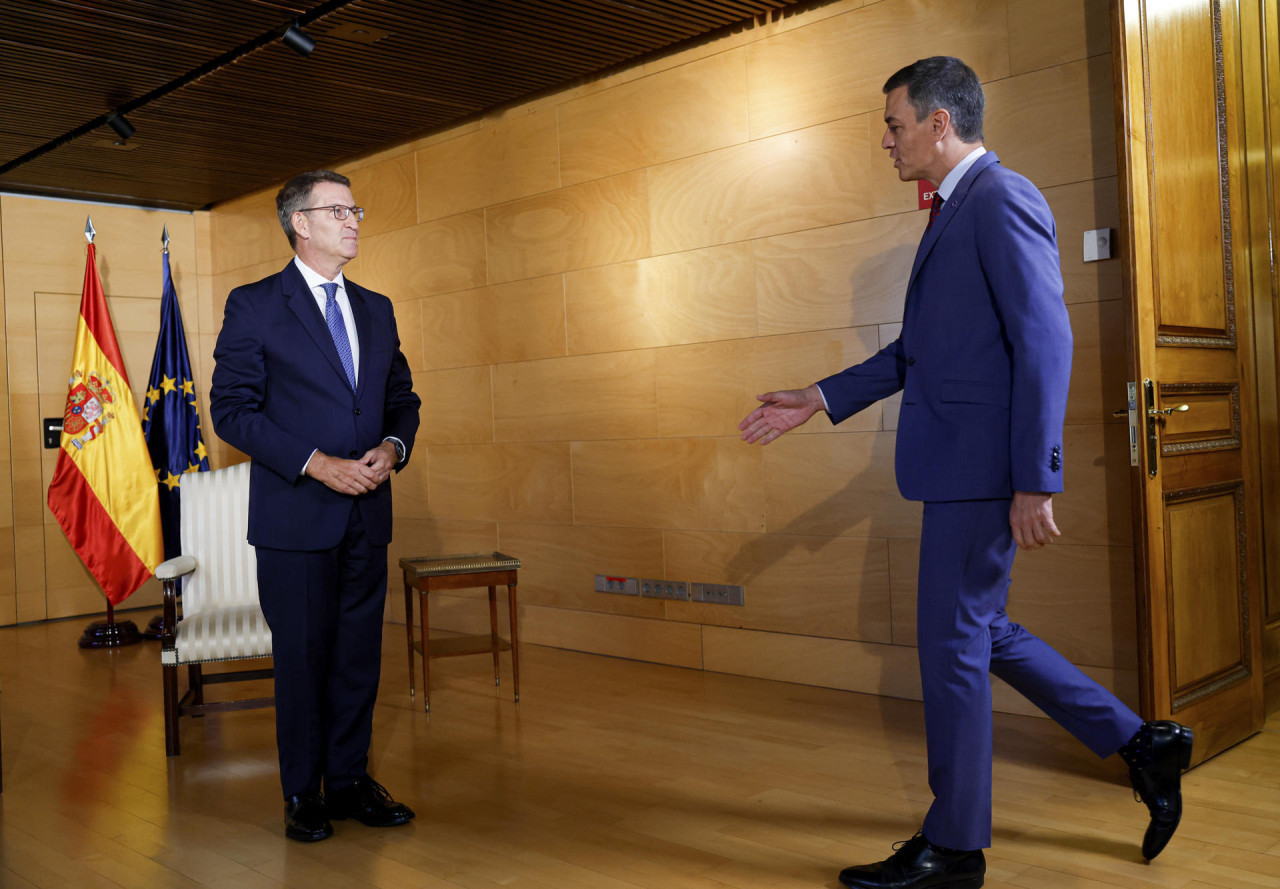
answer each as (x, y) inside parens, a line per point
(221, 107)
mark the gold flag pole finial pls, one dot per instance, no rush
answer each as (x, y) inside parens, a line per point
(164, 239)
(88, 229)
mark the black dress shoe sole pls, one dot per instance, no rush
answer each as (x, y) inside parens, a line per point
(373, 822)
(958, 883)
(300, 835)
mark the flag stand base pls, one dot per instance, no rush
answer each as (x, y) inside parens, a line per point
(110, 633)
(105, 634)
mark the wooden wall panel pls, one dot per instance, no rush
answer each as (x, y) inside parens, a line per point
(457, 406)
(1098, 369)
(1076, 142)
(432, 257)
(836, 485)
(510, 156)
(833, 663)
(1095, 508)
(386, 190)
(560, 562)
(657, 641)
(526, 482)
(785, 183)
(707, 483)
(519, 321)
(679, 112)
(812, 586)
(1081, 207)
(689, 297)
(598, 222)
(1043, 33)
(842, 276)
(247, 232)
(576, 399)
(708, 389)
(810, 75)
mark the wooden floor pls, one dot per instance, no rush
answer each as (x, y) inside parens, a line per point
(609, 774)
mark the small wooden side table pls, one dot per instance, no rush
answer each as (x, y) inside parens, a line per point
(426, 574)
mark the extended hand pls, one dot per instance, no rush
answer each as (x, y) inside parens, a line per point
(1031, 518)
(347, 476)
(781, 412)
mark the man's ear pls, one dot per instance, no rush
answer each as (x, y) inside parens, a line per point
(301, 225)
(940, 123)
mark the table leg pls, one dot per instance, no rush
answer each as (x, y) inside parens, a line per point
(423, 599)
(493, 633)
(515, 640)
(408, 625)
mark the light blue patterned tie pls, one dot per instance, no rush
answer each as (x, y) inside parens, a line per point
(338, 330)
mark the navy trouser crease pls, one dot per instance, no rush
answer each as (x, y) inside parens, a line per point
(325, 612)
(964, 635)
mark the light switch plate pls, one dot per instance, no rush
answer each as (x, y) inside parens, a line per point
(1097, 244)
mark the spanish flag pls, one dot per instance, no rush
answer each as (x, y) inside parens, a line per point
(104, 489)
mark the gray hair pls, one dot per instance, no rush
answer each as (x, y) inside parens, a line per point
(296, 193)
(947, 83)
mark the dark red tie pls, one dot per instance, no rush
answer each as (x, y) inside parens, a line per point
(933, 210)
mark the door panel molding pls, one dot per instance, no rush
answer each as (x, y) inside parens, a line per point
(1238, 664)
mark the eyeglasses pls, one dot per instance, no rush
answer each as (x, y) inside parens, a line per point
(339, 211)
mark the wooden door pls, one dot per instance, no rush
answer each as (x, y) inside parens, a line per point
(1180, 103)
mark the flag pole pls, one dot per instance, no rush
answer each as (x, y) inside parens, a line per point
(155, 626)
(107, 633)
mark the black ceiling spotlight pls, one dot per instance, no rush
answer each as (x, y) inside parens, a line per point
(123, 128)
(298, 40)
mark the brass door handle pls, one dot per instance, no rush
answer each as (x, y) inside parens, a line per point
(1180, 409)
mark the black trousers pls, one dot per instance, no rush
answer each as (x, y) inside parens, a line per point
(325, 611)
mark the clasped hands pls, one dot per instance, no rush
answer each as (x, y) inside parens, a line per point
(356, 476)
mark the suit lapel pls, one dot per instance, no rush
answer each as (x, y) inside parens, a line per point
(949, 209)
(302, 303)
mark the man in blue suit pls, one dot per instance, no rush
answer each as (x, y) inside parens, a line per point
(310, 382)
(983, 364)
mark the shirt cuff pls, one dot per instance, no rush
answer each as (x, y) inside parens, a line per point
(825, 405)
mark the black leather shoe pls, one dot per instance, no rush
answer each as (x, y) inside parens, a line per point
(368, 802)
(918, 864)
(1159, 783)
(305, 818)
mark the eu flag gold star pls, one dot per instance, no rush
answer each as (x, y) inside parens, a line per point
(200, 451)
(188, 387)
(173, 481)
(153, 395)
(169, 384)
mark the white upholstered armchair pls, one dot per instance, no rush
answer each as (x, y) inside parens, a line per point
(221, 618)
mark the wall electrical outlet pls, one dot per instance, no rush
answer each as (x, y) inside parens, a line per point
(623, 586)
(664, 589)
(716, 593)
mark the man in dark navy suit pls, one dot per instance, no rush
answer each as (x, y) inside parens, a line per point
(983, 363)
(310, 382)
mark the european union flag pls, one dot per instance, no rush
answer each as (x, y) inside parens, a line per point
(170, 420)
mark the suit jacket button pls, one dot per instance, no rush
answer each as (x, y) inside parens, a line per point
(911, 362)
(357, 412)
(353, 454)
